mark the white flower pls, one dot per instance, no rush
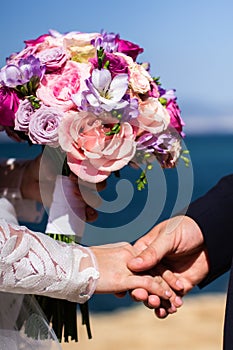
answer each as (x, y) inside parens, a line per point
(106, 92)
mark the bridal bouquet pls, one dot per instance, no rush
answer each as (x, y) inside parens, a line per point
(85, 94)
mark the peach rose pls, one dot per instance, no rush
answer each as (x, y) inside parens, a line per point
(79, 46)
(56, 90)
(153, 117)
(91, 153)
(139, 79)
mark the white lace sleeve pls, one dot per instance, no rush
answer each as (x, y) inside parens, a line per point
(33, 263)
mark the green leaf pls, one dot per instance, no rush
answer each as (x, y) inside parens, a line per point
(163, 101)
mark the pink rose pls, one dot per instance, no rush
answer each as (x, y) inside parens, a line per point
(129, 48)
(9, 103)
(92, 155)
(153, 117)
(57, 89)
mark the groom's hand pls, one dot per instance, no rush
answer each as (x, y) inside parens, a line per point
(178, 245)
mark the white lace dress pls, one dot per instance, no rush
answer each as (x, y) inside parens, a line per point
(34, 263)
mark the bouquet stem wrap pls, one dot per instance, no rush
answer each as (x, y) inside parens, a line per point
(65, 223)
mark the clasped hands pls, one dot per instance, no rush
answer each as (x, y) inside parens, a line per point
(158, 270)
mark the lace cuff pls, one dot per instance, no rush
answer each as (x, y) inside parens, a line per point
(85, 274)
(33, 263)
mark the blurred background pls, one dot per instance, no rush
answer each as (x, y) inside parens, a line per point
(189, 45)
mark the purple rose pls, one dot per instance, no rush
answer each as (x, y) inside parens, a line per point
(43, 126)
(154, 91)
(129, 48)
(23, 115)
(9, 102)
(53, 58)
(174, 112)
(117, 64)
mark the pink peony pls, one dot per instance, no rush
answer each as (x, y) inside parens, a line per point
(57, 89)
(9, 103)
(91, 154)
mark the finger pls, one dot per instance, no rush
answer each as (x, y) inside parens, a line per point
(88, 196)
(161, 313)
(91, 214)
(153, 302)
(151, 285)
(165, 309)
(152, 255)
(139, 294)
(170, 278)
(174, 299)
(120, 295)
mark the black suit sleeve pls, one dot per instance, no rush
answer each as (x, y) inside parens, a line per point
(214, 214)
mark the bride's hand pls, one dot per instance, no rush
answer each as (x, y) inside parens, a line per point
(39, 180)
(115, 277)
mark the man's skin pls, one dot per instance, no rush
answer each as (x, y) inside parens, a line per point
(178, 245)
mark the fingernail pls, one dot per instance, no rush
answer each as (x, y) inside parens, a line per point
(178, 301)
(179, 284)
(168, 293)
(172, 309)
(91, 211)
(137, 260)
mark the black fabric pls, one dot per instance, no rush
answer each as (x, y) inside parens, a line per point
(214, 214)
(228, 324)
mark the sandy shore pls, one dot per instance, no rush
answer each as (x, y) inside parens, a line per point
(198, 325)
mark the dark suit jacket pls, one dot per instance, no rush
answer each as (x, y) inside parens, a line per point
(214, 214)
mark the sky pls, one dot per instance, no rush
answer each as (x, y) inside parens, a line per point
(189, 44)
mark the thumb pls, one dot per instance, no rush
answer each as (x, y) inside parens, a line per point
(151, 255)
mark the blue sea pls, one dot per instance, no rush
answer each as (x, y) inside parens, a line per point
(211, 158)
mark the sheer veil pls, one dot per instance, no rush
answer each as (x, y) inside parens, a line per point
(23, 324)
